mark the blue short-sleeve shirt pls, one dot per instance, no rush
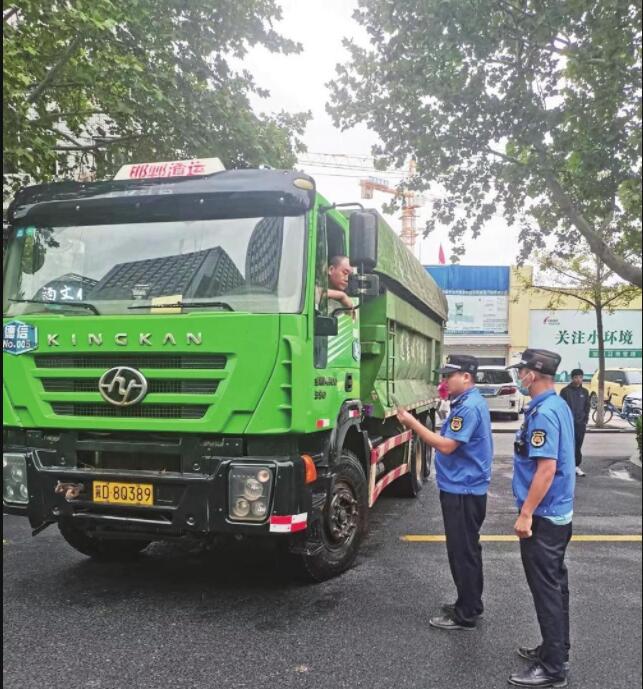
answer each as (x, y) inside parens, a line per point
(547, 433)
(467, 471)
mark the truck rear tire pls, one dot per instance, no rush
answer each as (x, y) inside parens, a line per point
(428, 460)
(345, 522)
(410, 484)
(103, 550)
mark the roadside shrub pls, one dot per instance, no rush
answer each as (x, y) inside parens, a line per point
(639, 436)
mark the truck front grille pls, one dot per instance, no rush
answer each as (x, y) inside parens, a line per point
(181, 387)
(107, 361)
(173, 394)
(145, 411)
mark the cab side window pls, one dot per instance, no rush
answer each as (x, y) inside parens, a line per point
(321, 291)
(321, 268)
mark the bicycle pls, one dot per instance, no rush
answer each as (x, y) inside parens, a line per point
(629, 413)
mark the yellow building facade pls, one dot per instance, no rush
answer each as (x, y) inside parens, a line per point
(569, 328)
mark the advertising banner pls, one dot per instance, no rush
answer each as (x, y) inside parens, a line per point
(573, 335)
(477, 314)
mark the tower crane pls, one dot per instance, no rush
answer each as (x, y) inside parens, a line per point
(411, 200)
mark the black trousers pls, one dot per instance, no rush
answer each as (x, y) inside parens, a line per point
(543, 557)
(579, 436)
(463, 518)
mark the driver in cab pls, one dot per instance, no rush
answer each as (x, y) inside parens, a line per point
(339, 270)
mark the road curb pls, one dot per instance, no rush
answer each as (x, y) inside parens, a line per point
(636, 471)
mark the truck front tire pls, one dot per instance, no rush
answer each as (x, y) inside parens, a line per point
(103, 550)
(345, 522)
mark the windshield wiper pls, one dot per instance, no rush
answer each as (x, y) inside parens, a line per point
(183, 305)
(81, 304)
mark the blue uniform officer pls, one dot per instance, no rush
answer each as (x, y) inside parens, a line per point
(463, 469)
(543, 485)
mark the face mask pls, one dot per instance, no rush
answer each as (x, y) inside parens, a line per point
(524, 388)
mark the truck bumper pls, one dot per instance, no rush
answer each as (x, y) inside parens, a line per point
(185, 504)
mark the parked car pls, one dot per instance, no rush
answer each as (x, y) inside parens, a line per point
(619, 382)
(500, 389)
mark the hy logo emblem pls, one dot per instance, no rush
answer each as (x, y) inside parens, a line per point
(122, 386)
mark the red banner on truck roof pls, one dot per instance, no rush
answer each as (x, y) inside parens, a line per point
(171, 168)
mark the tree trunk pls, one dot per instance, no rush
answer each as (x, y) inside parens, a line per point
(601, 363)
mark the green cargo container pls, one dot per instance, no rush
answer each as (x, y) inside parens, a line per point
(174, 369)
(401, 331)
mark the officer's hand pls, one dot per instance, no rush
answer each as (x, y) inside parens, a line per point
(522, 527)
(405, 418)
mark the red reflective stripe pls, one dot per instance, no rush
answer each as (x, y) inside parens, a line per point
(388, 479)
(277, 519)
(395, 441)
(298, 526)
(294, 520)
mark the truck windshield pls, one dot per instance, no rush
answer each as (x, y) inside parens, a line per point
(245, 264)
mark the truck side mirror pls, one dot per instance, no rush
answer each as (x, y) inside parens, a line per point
(363, 241)
(363, 285)
(326, 326)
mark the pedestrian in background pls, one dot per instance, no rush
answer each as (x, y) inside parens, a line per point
(443, 393)
(543, 485)
(577, 397)
(464, 453)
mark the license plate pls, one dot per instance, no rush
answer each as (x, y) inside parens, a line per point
(123, 493)
(487, 392)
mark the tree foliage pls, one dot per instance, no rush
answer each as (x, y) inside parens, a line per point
(132, 80)
(530, 108)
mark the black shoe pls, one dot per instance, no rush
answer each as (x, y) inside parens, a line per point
(536, 676)
(533, 654)
(447, 623)
(449, 609)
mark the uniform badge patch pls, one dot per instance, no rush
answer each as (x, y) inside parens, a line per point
(456, 423)
(538, 438)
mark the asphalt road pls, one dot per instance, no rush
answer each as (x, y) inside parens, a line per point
(235, 620)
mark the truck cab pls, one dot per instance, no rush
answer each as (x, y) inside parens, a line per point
(174, 368)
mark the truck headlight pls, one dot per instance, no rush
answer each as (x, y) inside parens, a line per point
(14, 478)
(249, 492)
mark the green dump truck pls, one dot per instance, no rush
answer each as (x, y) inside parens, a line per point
(174, 369)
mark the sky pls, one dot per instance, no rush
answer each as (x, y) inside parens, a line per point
(298, 82)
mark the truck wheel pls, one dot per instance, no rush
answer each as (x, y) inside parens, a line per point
(104, 550)
(428, 460)
(410, 484)
(345, 522)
